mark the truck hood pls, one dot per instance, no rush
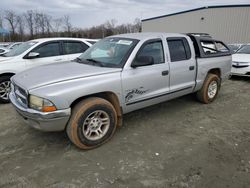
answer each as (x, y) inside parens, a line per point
(241, 57)
(55, 73)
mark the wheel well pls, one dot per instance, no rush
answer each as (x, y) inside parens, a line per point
(215, 71)
(7, 74)
(109, 96)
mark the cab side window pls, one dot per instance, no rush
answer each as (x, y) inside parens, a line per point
(179, 49)
(48, 50)
(153, 49)
(74, 47)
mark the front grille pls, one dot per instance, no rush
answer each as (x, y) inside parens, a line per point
(21, 95)
(240, 66)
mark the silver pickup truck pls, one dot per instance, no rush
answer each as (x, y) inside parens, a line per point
(87, 97)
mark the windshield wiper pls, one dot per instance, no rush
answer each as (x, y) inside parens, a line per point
(96, 62)
(79, 60)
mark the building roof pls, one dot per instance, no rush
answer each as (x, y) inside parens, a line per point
(196, 9)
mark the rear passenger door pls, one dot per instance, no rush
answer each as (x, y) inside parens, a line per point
(73, 49)
(182, 65)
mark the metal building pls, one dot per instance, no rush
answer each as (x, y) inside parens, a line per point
(230, 23)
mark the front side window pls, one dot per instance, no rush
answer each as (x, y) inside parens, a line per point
(153, 49)
(48, 50)
(179, 49)
(74, 47)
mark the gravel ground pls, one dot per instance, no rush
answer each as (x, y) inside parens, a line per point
(180, 143)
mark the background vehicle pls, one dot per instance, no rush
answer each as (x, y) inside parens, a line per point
(241, 62)
(35, 53)
(235, 47)
(13, 45)
(4, 44)
(3, 50)
(118, 75)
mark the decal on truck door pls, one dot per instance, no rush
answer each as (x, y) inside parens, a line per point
(133, 92)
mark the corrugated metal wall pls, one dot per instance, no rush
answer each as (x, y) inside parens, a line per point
(231, 25)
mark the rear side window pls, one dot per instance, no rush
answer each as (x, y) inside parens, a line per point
(221, 47)
(49, 50)
(213, 47)
(74, 47)
(154, 49)
(179, 49)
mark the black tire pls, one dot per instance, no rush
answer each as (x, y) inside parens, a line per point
(77, 128)
(203, 94)
(3, 81)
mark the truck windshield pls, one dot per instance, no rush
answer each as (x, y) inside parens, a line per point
(244, 50)
(20, 49)
(109, 52)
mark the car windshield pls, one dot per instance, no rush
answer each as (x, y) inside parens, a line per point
(20, 49)
(109, 52)
(233, 47)
(244, 50)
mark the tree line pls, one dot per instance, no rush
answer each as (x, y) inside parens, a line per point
(36, 24)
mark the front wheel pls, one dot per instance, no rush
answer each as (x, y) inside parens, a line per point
(209, 90)
(4, 89)
(92, 123)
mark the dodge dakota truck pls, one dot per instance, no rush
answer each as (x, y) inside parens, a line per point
(87, 97)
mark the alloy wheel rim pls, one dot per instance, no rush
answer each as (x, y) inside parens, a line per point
(212, 89)
(5, 90)
(96, 125)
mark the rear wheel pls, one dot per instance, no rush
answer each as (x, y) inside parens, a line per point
(209, 90)
(92, 123)
(4, 89)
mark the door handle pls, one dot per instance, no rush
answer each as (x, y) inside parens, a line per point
(165, 73)
(58, 59)
(191, 68)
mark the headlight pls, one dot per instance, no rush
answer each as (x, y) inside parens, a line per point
(40, 104)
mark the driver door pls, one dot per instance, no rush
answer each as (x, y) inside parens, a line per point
(50, 52)
(146, 85)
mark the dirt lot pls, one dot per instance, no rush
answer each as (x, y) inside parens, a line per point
(180, 143)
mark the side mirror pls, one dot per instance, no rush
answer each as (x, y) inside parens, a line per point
(33, 55)
(142, 61)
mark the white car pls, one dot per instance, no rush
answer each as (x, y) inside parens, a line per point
(235, 47)
(36, 53)
(14, 45)
(3, 50)
(241, 62)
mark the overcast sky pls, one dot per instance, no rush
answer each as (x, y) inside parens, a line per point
(87, 13)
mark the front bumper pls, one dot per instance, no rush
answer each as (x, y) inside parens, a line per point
(49, 121)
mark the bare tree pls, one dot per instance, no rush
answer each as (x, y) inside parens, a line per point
(48, 25)
(67, 23)
(20, 27)
(137, 25)
(57, 25)
(11, 19)
(29, 16)
(1, 20)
